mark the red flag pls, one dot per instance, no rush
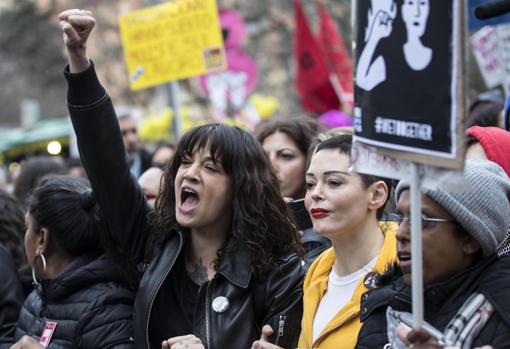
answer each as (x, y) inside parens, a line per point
(336, 56)
(312, 77)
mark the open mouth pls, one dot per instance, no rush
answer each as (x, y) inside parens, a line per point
(189, 199)
(405, 261)
(404, 256)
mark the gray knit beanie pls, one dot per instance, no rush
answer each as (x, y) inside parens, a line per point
(478, 200)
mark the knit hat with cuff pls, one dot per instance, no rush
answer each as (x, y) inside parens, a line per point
(479, 204)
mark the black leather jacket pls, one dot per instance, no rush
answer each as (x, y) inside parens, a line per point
(276, 300)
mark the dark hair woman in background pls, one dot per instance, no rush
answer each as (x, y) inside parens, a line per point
(286, 142)
(79, 290)
(220, 247)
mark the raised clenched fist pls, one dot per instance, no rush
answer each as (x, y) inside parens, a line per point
(76, 26)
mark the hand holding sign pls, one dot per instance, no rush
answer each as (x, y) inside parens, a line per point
(421, 339)
(76, 26)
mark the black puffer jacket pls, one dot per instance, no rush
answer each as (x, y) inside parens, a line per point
(91, 305)
(276, 300)
(11, 298)
(491, 277)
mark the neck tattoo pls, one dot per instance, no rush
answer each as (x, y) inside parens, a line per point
(199, 273)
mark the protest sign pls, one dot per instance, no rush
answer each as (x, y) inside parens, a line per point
(503, 35)
(171, 41)
(409, 79)
(229, 90)
(369, 160)
(491, 48)
(409, 98)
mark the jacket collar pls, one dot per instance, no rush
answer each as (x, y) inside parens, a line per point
(235, 264)
(436, 294)
(84, 272)
(316, 282)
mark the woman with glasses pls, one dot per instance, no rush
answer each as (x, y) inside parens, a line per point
(464, 219)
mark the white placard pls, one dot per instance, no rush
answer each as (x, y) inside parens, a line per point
(367, 159)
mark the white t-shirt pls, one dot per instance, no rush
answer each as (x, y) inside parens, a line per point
(338, 294)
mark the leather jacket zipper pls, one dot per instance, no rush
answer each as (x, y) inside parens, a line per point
(153, 296)
(207, 335)
(281, 326)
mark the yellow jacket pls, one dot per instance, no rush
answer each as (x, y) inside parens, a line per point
(342, 331)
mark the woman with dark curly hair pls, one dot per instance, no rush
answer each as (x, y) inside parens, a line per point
(219, 250)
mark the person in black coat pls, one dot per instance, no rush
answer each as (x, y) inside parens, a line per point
(464, 219)
(221, 254)
(11, 298)
(82, 298)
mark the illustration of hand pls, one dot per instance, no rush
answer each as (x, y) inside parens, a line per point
(381, 24)
(371, 72)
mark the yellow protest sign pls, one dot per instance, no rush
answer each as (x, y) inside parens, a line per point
(171, 41)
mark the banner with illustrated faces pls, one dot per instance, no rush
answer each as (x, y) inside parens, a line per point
(407, 77)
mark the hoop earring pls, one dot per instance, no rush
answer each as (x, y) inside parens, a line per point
(34, 278)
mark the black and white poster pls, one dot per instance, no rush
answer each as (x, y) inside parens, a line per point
(406, 75)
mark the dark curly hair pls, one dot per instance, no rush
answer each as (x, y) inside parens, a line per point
(12, 228)
(260, 217)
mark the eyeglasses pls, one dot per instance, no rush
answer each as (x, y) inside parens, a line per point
(426, 221)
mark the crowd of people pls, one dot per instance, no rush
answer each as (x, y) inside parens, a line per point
(202, 245)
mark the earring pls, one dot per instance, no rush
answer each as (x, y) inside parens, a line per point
(34, 278)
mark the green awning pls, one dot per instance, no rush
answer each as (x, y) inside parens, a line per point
(19, 140)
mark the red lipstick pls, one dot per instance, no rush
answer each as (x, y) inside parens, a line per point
(319, 212)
